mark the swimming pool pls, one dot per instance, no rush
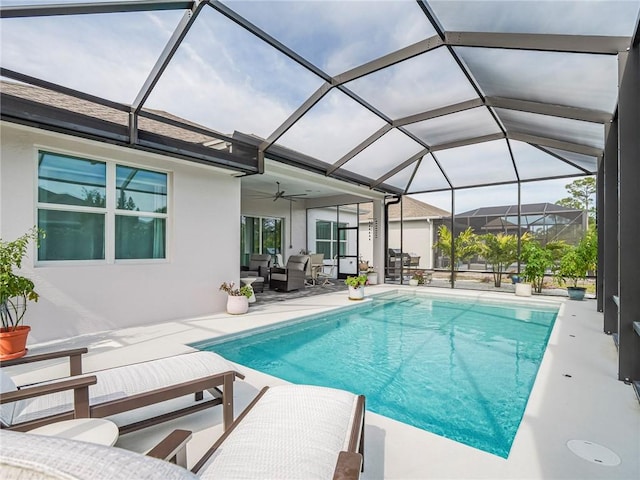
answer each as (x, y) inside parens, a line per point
(458, 367)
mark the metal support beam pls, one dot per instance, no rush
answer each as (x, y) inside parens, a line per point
(438, 112)
(89, 8)
(265, 37)
(297, 115)
(364, 144)
(385, 61)
(400, 167)
(553, 143)
(629, 218)
(468, 141)
(545, 42)
(21, 77)
(574, 113)
(600, 231)
(561, 158)
(167, 54)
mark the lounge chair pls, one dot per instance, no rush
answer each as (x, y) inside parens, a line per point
(287, 432)
(167, 388)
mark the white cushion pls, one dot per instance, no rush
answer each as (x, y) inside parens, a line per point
(28, 456)
(126, 381)
(293, 432)
(6, 409)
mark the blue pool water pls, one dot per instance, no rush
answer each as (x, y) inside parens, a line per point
(460, 368)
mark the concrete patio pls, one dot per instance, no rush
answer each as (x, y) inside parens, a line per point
(575, 384)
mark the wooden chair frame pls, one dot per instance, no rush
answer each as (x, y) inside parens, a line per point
(80, 385)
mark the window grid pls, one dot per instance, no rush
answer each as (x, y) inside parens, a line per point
(151, 232)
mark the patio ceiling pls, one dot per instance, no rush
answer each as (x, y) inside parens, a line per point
(402, 97)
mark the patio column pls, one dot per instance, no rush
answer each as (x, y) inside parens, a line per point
(378, 255)
(629, 217)
(607, 198)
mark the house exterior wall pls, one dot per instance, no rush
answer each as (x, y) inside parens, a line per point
(203, 242)
(417, 237)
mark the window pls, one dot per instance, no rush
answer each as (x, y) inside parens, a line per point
(327, 241)
(259, 235)
(93, 210)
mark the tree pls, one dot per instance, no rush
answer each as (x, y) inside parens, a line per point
(578, 261)
(467, 243)
(539, 259)
(581, 193)
(500, 251)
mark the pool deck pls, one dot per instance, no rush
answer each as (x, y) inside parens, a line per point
(576, 396)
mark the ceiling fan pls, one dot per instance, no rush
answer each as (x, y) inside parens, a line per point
(282, 194)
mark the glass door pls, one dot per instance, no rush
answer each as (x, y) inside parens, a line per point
(348, 251)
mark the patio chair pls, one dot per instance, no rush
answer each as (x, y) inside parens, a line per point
(167, 388)
(292, 277)
(288, 431)
(313, 266)
(327, 276)
(258, 267)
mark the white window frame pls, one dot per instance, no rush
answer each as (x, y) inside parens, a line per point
(109, 211)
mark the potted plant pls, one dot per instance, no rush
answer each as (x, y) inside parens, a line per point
(372, 276)
(417, 279)
(577, 262)
(363, 265)
(15, 292)
(356, 286)
(237, 299)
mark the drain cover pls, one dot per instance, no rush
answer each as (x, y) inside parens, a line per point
(593, 452)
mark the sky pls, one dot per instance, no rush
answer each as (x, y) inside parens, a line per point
(226, 79)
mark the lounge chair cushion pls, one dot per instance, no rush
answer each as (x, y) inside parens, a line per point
(26, 456)
(6, 409)
(293, 432)
(125, 381)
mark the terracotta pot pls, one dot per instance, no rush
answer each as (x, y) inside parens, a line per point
(356, 293)
(237, 305)
(13, 342)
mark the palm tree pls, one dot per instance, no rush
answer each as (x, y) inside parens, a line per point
(500, 251)
(467, 244)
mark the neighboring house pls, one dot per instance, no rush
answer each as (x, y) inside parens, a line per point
(545, 221)
(417, 229)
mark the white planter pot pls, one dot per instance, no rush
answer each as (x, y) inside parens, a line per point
(356, 293)
(523, 289)
(413, 283)
(372, 278)
(237, 305)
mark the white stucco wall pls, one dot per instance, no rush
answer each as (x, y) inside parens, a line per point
(203, 244)
(417, 238)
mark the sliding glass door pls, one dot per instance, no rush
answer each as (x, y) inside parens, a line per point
(260, 235)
